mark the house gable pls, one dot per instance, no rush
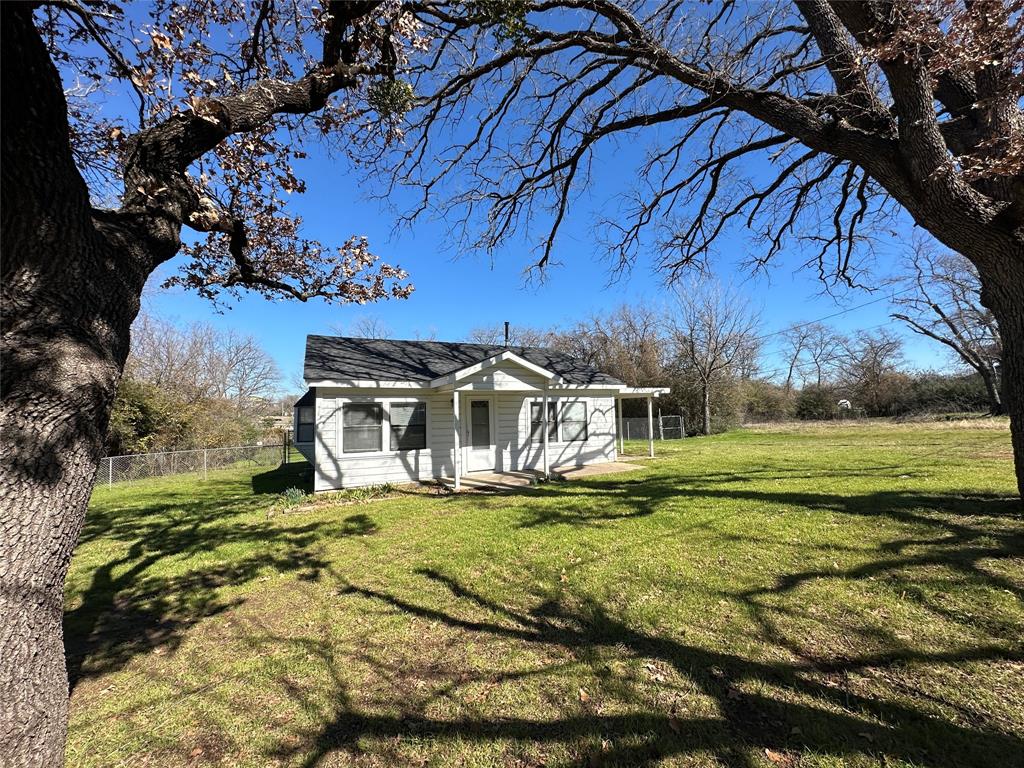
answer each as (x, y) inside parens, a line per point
(504, 371)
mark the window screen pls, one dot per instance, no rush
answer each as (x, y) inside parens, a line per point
(536, 409)
(480, 423)
(361, 424)
(408, 426)
(574, 422)
(305, 432)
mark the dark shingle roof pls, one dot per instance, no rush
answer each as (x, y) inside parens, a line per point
(341, 358)
(307, 399)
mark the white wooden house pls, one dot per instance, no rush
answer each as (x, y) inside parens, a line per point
(383, 411)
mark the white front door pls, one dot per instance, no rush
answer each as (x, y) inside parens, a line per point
(478, 433)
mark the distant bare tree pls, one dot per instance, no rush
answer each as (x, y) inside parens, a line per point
(748, 359)
(197, 362)
(945, 305)
(246, 372)
(170, 357)
(297, 381)
(870, 363)
(365, 327)
(823, 347)
(426, 334)
(714, 333)
(795, 340)
(629, 343)
(519, 335)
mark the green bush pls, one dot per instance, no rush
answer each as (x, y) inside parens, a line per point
(766, 401)
(293, 496)
(816, 403)
(939, 393)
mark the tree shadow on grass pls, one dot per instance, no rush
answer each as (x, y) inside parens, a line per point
(169, 558)
(805, 706)
(788, 707)
(596, 502)
(297, 474)
(963, 534)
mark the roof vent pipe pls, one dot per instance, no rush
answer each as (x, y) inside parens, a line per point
(506, 333)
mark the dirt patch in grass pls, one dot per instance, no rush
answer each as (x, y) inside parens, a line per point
(1004, 454)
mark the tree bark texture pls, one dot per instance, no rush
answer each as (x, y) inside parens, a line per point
(72, 277)
(69, 293)
(1003, 293)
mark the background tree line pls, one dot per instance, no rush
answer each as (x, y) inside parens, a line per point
(193, 386)
(707, 346)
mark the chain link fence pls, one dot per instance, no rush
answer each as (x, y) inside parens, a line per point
(138, 466)
(665, 428)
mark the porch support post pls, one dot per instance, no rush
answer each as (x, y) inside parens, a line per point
(458, 440)
(622, 438)
(650, 425)
(544, 410)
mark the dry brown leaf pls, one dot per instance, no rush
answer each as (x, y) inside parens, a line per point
(160, 40)
(779, 758)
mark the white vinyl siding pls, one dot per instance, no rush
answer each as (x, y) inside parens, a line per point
(598, 445)
(503, 376)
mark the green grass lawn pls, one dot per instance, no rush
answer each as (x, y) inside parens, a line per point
(821, 596)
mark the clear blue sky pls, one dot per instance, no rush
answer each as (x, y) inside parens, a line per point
(456, 292)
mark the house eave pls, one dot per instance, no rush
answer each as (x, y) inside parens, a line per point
(626, 393)
(369, 384)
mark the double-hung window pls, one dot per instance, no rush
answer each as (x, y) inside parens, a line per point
(574, 422)
(408, 426)
(361, 427)
(536, 422)
(304, 434)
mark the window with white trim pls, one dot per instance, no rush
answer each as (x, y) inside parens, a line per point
(536, 420)
(361, 427)
(408, 426)
(304, 433)
(574, 422)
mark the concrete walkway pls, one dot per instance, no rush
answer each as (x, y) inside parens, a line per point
(491, 482)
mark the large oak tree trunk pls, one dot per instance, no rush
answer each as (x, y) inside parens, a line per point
(1003, 293)
(69, 293)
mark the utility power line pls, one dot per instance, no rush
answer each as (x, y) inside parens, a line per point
(888, 297)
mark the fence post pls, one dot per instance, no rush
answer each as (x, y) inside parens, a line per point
(205, 476)
(627, 429)
(661, 426)
(110, 472)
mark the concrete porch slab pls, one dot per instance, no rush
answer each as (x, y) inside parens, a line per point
(591, 470)
(493, 482)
